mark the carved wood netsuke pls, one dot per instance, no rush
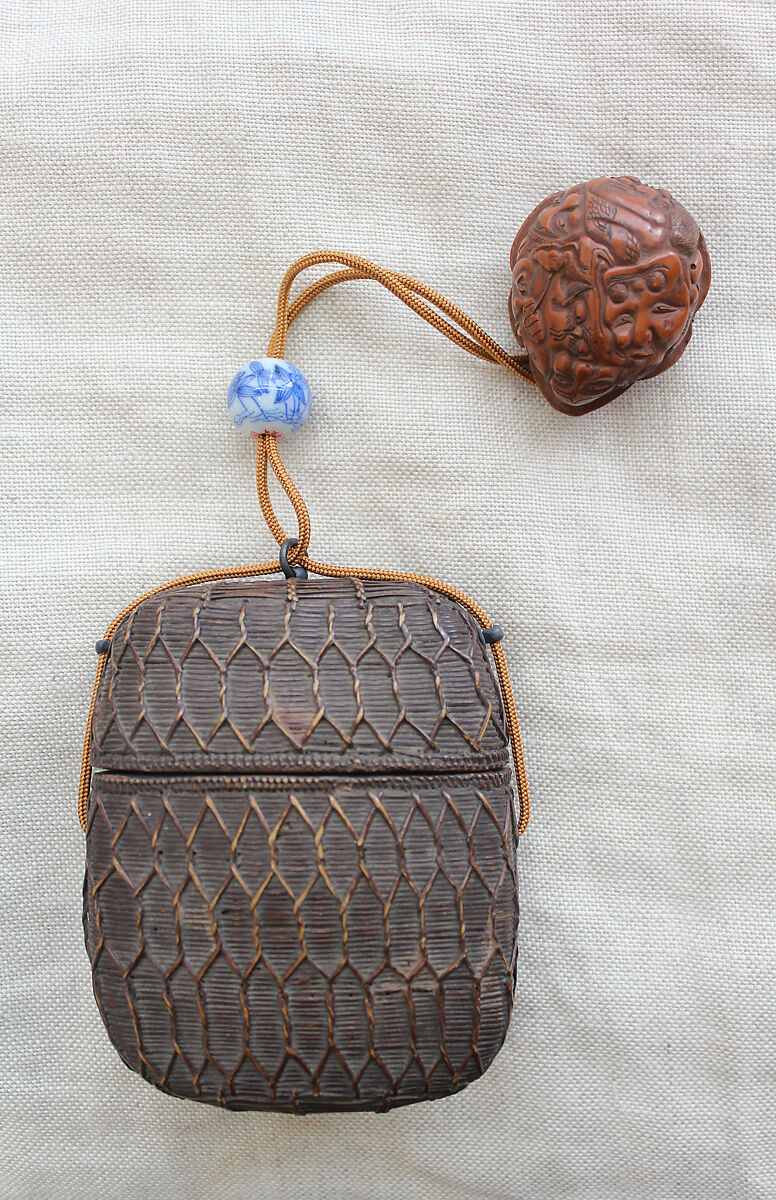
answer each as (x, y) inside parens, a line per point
(607, 277)
(300, 888)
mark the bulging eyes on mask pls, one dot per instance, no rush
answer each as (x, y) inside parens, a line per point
(606, 279)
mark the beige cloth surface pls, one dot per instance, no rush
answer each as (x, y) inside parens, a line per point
(162, 164)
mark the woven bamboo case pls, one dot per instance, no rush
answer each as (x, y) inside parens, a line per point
(300, 886)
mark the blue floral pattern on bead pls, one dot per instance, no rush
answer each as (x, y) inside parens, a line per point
(270, 395)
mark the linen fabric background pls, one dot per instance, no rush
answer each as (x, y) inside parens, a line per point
(162, 165)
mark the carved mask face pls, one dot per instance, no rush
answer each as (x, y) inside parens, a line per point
(606, 280)
(556, 330)
(646, 311)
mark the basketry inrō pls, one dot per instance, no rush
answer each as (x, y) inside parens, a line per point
(300, 888)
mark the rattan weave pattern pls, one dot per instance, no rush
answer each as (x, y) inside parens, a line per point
(319, 673)
(308, 944)
(300, 888)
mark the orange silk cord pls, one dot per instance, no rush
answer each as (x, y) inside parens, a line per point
(469, 337)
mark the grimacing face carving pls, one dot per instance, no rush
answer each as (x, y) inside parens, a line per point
(606, 279)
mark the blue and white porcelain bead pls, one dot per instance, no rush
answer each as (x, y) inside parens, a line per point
(269, 396)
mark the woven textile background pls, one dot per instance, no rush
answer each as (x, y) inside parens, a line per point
(161, 165)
